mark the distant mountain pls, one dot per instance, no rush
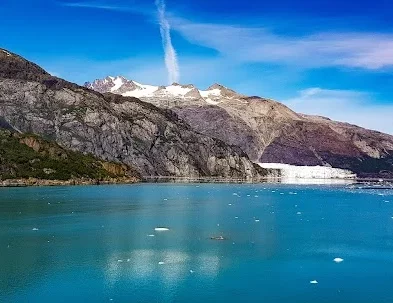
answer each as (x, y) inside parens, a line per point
(124, 130)
(266, 130)
(163, 96)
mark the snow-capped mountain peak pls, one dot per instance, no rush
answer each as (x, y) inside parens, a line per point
(177, 92)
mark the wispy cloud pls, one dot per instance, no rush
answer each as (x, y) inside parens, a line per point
(105, 6)
(355, 107)
(171, 61)
(354, 50)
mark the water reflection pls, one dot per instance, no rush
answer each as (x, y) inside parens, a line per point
(101, 234)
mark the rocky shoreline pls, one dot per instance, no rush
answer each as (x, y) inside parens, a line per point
(41, 182)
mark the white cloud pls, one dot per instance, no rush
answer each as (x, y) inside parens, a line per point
(354, 107)
(361, 50)
(93, 5)
(104, 6)
(171, 61)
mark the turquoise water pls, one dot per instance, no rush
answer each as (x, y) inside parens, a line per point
(92, 244)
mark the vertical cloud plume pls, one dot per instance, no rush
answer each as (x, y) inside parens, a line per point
(171, 62)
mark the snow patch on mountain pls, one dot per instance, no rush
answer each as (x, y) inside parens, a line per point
(141, 90)
(177, 90)
(118, 81)
(7, 53)
(212, 92)
(210, 101)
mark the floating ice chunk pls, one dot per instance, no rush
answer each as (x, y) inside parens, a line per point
(219, 238)
(161, 229)
(161, 263)
(236, 217)
(299, 213)
(128, 260)
(191, 271)
(256, 220)
(230, 204)
(35, 229)
(338, 260)
(151, 235)
(314, 282)
(120, 261)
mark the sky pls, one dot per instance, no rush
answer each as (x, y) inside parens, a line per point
(327, 57)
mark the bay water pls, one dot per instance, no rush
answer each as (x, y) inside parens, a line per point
(224, 243)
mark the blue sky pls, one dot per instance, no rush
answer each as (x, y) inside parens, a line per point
(332, 58)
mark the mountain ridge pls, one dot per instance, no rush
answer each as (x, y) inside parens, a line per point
(270, 132)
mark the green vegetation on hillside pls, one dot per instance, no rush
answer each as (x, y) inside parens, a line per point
(29, 156)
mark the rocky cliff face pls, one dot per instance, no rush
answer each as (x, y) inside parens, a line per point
(268, 131)
(112, 127)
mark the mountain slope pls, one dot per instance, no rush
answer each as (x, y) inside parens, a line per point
(112, 127)
(28, 156)
(268, 131)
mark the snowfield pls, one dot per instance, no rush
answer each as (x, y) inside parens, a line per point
(148, 91)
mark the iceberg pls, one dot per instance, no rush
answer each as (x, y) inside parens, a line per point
(338, 260)
(161, 229)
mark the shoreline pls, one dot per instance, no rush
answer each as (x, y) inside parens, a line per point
(33, 182)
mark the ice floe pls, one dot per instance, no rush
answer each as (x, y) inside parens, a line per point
(161, 229)
(314, 282)
(338, 260)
